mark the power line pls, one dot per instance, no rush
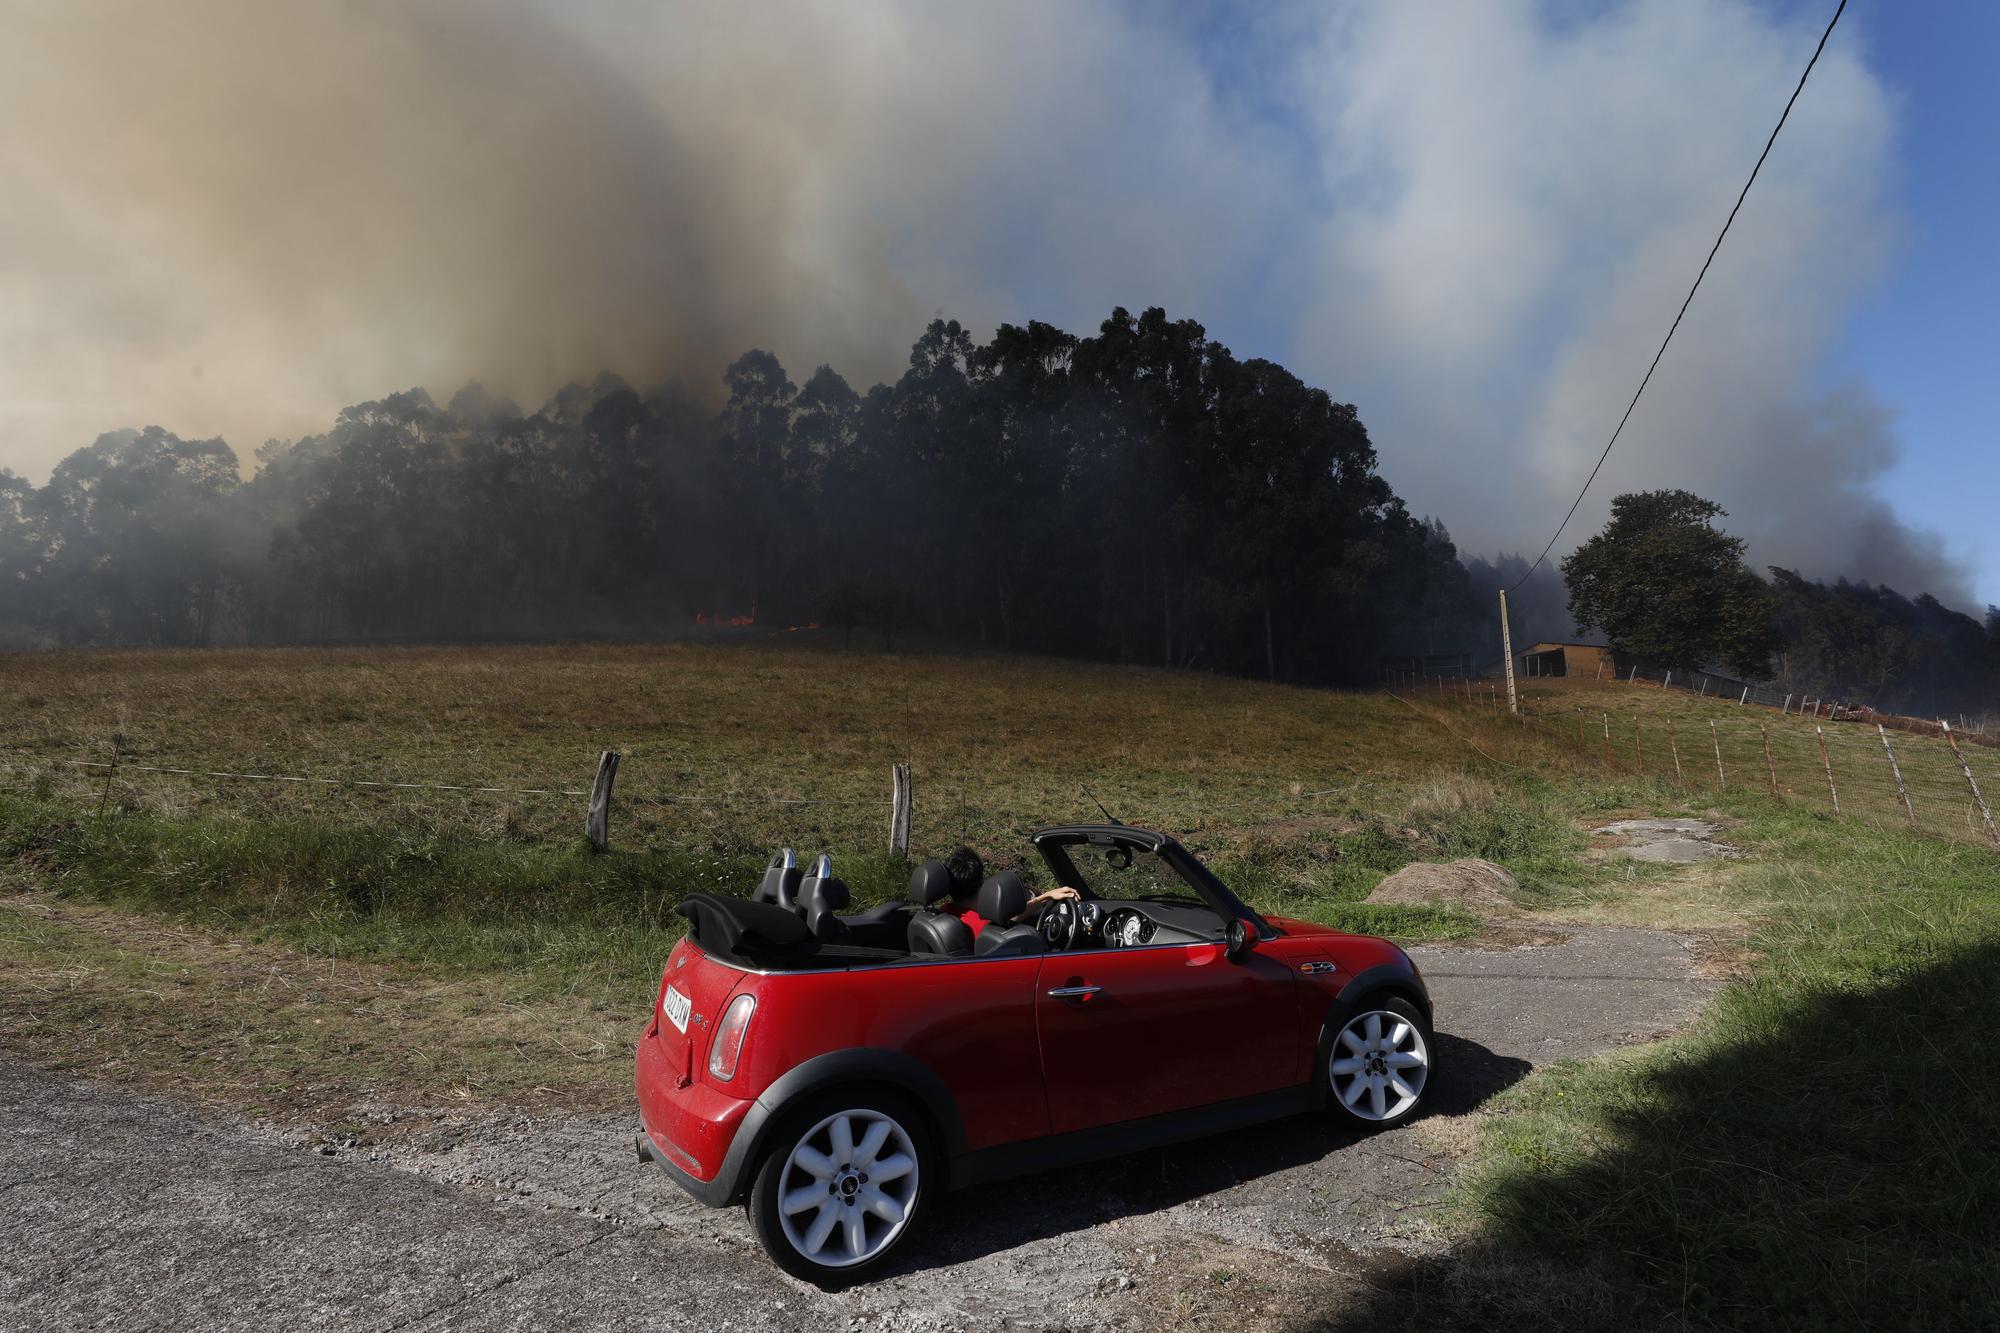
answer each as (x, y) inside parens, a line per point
(1690, 298)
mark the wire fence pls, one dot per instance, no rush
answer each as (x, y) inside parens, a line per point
(1843, 760)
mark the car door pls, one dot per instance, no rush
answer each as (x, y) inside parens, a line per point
(1128, 1033)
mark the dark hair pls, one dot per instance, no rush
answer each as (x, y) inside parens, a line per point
(967, 872)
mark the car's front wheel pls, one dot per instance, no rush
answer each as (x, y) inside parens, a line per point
(843, 1184)
(1379, 1064)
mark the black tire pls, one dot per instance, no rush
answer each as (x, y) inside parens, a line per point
(779, 1177)
(1366, 1098)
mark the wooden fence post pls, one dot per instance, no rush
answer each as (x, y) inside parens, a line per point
(1638, 754)
(597, 824)
(1971, 782)
(117, 746)
(1827, 762)
(1669, 678)
(1721, 779)
(1607, 738)
(1633, 679)
(1746, 697)
(1769, 767)
(1673, 743)
(1788, 706)
(1897, 769)
(1704, 687)
(899, 810)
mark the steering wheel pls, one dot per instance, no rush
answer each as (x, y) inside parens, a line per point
(1059, 924)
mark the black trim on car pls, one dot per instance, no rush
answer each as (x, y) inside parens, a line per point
(715, 1193)
(1051, 843)
(1027, 1156)
(1381, 979)
(860, 1064)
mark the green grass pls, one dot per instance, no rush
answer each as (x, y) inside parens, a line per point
(1821, 1150)
(1818, 1151)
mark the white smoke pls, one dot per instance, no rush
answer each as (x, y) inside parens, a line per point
(1472, 220)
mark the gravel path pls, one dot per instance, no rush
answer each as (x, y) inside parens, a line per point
(127, 1211)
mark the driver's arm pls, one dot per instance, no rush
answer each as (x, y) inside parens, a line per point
(1061, 893)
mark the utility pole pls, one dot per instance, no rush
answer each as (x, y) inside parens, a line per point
(1507, 647)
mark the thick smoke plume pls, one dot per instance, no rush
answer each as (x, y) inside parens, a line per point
(1472, 221)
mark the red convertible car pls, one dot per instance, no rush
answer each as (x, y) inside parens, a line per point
(835, 1072)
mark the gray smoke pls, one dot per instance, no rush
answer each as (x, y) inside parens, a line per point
(1473, 221)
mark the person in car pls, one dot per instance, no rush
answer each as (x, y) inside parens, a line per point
(967, 873)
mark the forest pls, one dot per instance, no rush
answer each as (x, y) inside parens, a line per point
(1138, 495)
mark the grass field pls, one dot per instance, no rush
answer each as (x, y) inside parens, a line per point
(1303, 799)
(1648, 728)
(1818, 1151)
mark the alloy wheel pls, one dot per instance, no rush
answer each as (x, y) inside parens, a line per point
(848, 1188)
(1379, 1065)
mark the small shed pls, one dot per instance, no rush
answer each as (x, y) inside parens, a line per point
(1589, 660)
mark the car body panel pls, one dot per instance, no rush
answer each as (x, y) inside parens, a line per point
(1169, 1027)
(1179, 1039)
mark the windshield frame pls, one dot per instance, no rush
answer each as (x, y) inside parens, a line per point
(1054, 845)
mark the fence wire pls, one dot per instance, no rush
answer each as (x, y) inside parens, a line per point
(1834, 757)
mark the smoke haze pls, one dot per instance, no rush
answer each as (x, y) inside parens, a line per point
(1474, 222)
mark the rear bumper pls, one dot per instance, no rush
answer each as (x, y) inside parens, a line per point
(688, 1132)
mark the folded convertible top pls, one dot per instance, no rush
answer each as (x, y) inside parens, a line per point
(753, 934)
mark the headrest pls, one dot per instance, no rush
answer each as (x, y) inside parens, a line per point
(800, 894)
(773, 887)
(1003, 896)
(830, 895)
(929, 883)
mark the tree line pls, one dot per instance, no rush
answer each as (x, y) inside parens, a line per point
(1140, 495)
(1666, 586)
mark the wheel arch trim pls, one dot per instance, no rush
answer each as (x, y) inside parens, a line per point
(1384, 979)
(860, 1065)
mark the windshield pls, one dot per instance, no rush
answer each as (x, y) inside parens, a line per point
(1128, 874)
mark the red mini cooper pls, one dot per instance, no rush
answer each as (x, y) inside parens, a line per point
(836, 1072)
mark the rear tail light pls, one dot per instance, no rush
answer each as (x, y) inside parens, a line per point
(729, 1034)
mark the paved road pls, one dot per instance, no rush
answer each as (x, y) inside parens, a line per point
(135, 1213)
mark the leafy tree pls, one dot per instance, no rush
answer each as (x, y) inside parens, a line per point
(1666, 586)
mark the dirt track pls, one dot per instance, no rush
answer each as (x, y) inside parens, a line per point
(132, 1212)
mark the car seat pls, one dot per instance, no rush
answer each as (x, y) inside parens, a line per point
(780, 885)
(823, 896)
(1002, 898)
(887, 925)
(930, 931)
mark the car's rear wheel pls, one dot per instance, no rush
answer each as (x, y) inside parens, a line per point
(842, 1186)
(1379, 1064)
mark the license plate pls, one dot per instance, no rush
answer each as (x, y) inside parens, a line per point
(675, 1006)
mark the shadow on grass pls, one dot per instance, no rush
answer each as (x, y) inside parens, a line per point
(1811, 1158)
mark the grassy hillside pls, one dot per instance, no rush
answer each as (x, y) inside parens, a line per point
(1647, 726)
(727, 747)
(1817, 1151)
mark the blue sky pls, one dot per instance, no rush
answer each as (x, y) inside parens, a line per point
(1928, 337)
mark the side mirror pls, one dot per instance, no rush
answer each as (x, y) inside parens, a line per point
(1237, 939)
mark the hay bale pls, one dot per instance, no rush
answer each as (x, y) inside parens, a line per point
(1478, 886)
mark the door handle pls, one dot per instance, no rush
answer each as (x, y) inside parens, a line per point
(1074, 992)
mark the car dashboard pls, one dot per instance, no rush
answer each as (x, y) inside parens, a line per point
(1132, 924)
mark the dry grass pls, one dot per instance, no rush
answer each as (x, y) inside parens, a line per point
(262, 1029)
(720, 740)
(1575, 712)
